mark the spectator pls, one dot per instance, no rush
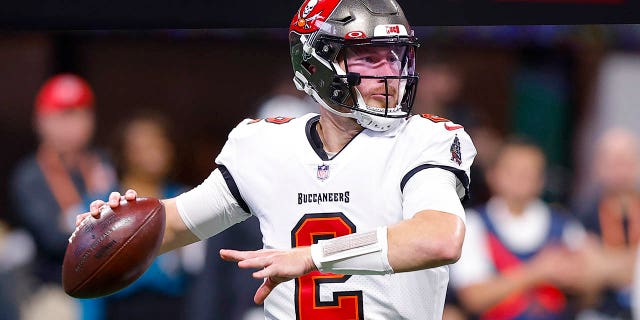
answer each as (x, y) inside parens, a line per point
(50, 187)
(516, 258)
(145, 156)
(613, 215)
(16, 252)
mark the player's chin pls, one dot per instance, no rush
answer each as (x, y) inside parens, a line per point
(381, 102)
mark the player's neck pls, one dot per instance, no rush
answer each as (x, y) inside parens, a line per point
(336, 131)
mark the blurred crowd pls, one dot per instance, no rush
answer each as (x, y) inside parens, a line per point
(66, 172)
(531, 251)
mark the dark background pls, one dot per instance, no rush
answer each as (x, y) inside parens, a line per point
(74, 14)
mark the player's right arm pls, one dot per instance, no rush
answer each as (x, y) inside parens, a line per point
(197, 214)
(176, 232)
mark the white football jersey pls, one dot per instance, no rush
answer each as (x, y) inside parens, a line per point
(279, 171)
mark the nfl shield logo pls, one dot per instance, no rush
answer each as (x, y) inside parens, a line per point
(323, 172)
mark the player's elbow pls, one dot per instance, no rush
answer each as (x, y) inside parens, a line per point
(448, 249)
(446, 246)
(433, 239)
(452, 255)
(456, 239)
(435, 252)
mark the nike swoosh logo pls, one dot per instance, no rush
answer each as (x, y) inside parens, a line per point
(454, 127)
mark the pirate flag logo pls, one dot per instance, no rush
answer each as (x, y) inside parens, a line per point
(456, 155)
(312, 15)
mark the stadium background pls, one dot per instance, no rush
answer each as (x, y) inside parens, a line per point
(525, 77)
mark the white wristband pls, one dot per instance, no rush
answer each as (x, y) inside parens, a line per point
(358, 253)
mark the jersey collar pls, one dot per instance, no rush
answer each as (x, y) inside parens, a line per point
(314, 138)
(316, 143)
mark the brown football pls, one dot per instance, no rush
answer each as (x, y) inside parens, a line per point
(107, 254)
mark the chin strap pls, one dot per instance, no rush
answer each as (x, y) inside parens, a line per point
(368, 121)
(376, 123)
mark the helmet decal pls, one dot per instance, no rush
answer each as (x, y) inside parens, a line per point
(390, 30)
(312, 14)
(355, 35)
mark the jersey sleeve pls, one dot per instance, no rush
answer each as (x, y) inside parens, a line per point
(210, 208)
(218, 202)
(228, 159)
(432, 189)
(440, 144)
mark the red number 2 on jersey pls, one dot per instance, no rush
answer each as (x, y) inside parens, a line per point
(345, 304)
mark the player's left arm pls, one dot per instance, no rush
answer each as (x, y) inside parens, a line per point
(433, 228)
(429, 239)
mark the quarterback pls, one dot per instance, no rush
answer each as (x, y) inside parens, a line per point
(360, 205)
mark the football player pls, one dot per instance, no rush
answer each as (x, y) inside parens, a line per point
(359, 206)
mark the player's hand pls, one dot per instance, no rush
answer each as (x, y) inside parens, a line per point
(114, 201)
(276, 266)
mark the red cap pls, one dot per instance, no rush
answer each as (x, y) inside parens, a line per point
(62, 92)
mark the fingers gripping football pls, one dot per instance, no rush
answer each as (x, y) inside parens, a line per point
(113, 202)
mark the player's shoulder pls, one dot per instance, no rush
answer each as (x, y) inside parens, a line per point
(438, 141)
(266, 127)
(426, 121)
(428, 127)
